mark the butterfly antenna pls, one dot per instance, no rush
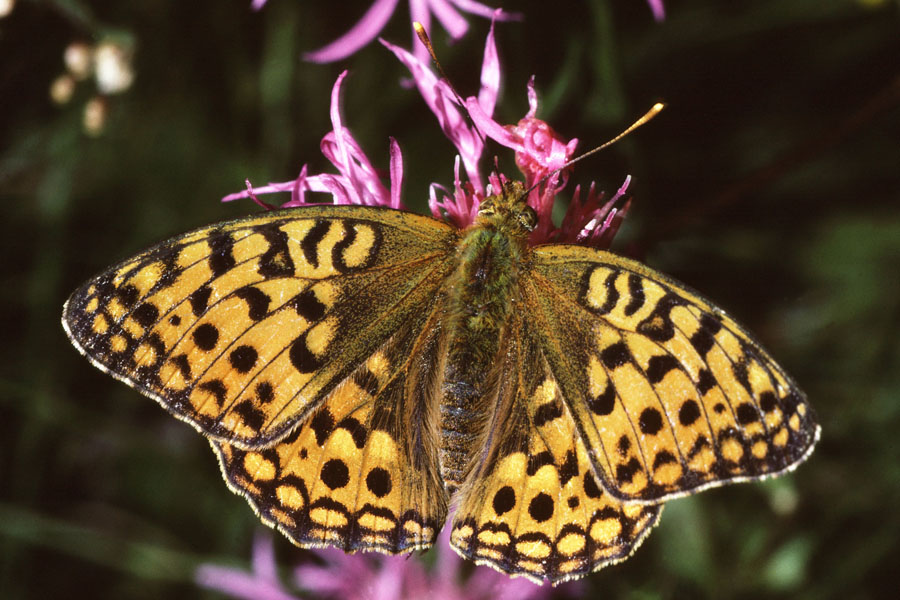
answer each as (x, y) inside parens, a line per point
(654, 110)
(426, 41)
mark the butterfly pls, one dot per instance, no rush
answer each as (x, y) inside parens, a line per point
(357, 370)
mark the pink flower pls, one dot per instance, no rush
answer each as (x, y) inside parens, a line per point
(371, 577)
(540, 154)
(358, 182)
(659, 11)
(370, 25)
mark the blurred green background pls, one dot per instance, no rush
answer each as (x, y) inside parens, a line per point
(771, 183)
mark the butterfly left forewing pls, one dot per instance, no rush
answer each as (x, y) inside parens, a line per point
(532, 505)
(669, 394)
(242, 328)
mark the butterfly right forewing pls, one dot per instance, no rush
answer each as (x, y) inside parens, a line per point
(669, 394)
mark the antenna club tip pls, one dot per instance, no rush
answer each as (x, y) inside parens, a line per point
(420, 29)
(658, 106)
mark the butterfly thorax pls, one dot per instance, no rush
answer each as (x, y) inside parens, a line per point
(481, 295)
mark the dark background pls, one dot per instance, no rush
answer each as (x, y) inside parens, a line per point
(770, 184)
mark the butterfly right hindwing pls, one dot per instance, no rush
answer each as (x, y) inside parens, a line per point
(533, 506)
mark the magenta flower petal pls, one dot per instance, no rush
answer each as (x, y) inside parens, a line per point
(358, 182)
(490, 74)
(482, 10)
(257, 4)
(396, 175)
(441, 101)
(420, 13)
(373, 21)
(659, 11)
(261, 584)
(452, 21)
(364, 31)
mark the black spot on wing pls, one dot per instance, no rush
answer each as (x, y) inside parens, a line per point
(221, 258)
(257, 301)
(650, 421)
(217, 389)
(250, 415)
(302, 358)
(658, 325)
(264, 392)
(612, 294)
(659, 366)
(378, 480)
(310, 243)
(322, 425)
(146, 314)
(243, 358)
(767, 401)
(128, 294)
(605, 402)
(206, 336)
(705, 381)
(615, 355)
(335, 474)
(504, 500)
(636, 293)
(568, 469)
(746, 413)
(199, 300)
(688, 413)
(541, 507)
(276, 261)
(308, 305)
(536, 461)
(547, 412)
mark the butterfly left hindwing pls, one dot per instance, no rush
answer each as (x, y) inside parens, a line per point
(361, 472)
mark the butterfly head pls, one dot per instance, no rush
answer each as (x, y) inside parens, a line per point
(508, 211)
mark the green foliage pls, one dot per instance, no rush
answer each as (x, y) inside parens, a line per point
(770, 184)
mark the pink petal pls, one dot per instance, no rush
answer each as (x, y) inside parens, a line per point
(363, 32)
(420, 13)
(490, 127)
(239, 585)
(396, 175)
(477, 8)
(452, 21)
(264, 558)
(257, 4)
(532, 98)
(440, 100)
(659, 11)
(490, 75)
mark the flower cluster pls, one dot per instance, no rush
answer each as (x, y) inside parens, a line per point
(372, 577)
(541, 154)
(448, 12)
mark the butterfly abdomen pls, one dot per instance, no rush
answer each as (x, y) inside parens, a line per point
(480, 297)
